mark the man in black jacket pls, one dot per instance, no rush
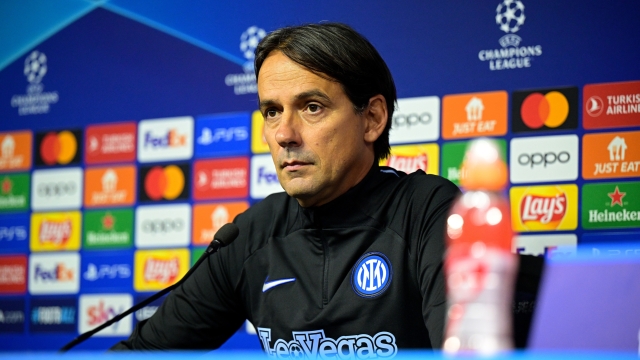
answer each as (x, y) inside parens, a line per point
(349, 260)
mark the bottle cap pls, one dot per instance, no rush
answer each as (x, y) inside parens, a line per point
(483, 167)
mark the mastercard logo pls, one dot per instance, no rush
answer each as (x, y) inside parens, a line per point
(550, 109)
(58, 148)
(545, 109)
(167, 182)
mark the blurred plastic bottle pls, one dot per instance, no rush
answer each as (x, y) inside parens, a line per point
(480, 268)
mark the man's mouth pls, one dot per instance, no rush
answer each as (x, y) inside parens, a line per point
(293, 165)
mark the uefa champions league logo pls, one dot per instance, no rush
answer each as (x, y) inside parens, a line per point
(510, 15)
(35, 101)
(248, 43)
(35, 67)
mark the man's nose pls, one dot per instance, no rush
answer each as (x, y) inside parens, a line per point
(288, 133)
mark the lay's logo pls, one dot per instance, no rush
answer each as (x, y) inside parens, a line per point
(544, 208)
(55, 231)
(409, 158)
(157, 269)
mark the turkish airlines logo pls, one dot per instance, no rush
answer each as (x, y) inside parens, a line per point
(611, 105)
(54, 273)
(221, 178)
(264, 179)
(56, 189)
(409, 158)
(15, 150)
(545, 109)
(58, 147)
(545, 158)
(110, 143)
(209, 218)
(13, 274)
(612, 155)
(55, 231)
(484, 114)
(162, 225)
(416, 120)
(168, 182)
(165, 139)
(157, 269)
(97, 309)
(544, 208)
(110, 186)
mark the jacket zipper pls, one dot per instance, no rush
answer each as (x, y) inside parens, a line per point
(325, 276)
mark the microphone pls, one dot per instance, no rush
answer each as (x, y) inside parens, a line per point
(223, 237)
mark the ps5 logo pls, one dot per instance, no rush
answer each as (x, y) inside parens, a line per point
(238, 133)
(94, 272)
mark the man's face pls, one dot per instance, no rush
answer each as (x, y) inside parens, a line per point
(318, 143)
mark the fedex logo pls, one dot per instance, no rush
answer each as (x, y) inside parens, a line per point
(264, 179)
(223, 135)
(165, 139)
(550, 246)
(54, 273)
(172, 139)
(100, 308)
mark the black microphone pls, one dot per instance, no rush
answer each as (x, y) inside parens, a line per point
(223, 237)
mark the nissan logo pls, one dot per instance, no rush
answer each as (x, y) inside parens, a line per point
(543, 159)
(162, 226)
(57, 189)
(411, 119)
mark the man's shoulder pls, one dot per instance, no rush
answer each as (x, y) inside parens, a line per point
(420, 184)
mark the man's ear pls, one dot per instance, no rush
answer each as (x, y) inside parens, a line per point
(375, 117)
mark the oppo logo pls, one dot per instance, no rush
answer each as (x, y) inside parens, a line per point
(545, 159)
(411, 119)
(57, 189)
(162, 226)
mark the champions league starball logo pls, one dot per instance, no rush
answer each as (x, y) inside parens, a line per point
(510, 17)
(35, 101)
(246, 83)
(35, 67)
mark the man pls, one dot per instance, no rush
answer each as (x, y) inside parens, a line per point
(349, 259)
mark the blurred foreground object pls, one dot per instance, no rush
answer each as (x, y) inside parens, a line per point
(480, 268)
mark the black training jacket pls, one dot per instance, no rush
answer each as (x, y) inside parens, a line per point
(361, 275)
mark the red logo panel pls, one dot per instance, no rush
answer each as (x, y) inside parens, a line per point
(13, 274)
(611, 105)
(110, 143)
(221, 178)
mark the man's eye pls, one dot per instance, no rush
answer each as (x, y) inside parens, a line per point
(313, 108)
(270, 113)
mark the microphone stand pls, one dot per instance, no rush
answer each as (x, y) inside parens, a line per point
(212, 248)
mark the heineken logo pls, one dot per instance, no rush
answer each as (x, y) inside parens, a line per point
(14, 192)
(108, 229)
(608, 205)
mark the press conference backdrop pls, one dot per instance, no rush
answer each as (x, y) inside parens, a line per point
(129, 134)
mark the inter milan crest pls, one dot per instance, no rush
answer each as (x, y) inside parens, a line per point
(371, 275)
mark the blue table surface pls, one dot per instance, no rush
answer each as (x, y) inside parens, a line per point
(402, 355)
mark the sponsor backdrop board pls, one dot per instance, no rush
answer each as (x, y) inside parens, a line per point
(121, 153)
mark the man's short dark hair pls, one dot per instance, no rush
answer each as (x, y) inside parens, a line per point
(338, 52)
